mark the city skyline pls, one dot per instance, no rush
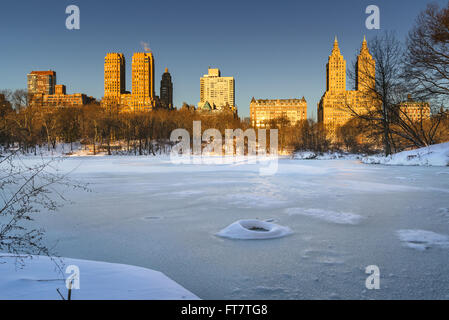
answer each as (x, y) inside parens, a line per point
(242, 151)
(297, 58)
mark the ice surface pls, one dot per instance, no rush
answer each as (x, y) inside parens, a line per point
(40, 278)
(254, 230)
(327, 215)
(148, 212)
(422, 239)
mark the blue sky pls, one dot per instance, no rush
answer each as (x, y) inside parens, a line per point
(274, 49)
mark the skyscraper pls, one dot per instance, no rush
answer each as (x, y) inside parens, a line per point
(142, 97)
(365, 69)
(114, 75)
(41, 82)
(333, 108)
(143, 75)
(217, 91)
(336, 70)
(166, 92)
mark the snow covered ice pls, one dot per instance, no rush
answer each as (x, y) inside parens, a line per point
(254, 230)
(345, 215)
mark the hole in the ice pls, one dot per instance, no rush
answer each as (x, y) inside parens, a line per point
(256, 225)
(152, 218)
(254, 228)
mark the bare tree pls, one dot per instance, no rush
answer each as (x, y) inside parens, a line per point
(384, 97)
(25, 191)
(382, 90)
(426, 59)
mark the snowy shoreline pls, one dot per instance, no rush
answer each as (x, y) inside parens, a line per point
(434, 155)
(40, 277)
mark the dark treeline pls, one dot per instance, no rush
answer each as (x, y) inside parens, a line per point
(98, 128)
(108, 130)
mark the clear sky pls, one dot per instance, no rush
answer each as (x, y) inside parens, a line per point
(274, 49)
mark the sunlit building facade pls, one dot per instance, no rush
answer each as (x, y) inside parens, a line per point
(338, 105)
(414, 111)
(114, 74)
(142, 97)
(217, 92)
(41, 82)
(262, 111)
(44, 92)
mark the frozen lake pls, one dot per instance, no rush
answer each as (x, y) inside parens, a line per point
(344, 215)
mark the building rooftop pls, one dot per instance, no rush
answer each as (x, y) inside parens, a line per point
(49, 72)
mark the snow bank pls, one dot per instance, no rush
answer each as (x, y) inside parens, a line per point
(309, 155)
(254, 230)
(327, 215)
(422, 239)
(434, 155)
(40, 278)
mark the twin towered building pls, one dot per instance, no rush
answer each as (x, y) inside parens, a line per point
(142, 97)
(332, 108)
(338, 105)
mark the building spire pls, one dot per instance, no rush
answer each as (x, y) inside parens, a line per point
(336, 48)
(364, 45)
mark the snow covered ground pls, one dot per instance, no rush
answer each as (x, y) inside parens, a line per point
(434, 155)
(41, 276)
(344, 216)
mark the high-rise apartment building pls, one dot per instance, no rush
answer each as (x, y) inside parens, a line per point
(336, 70)
(142, 97)
(114, 75)
(334, 108)
(365, 69)
(166, 90)
(44, 92)
(262, 111)
(41, 82)
(217, 91)
(143, 75)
